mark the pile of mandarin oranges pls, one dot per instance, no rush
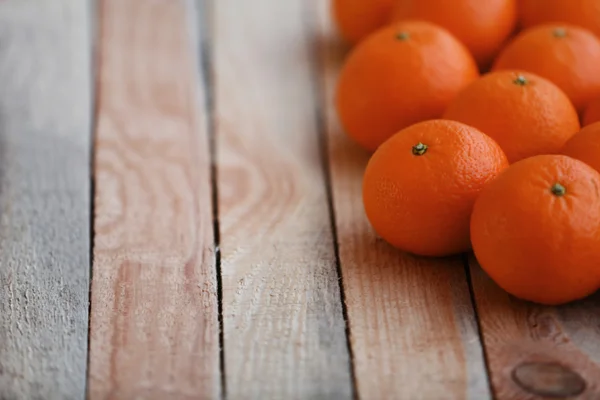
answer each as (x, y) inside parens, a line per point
(482, 120)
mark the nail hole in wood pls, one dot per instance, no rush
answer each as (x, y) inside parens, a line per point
(548, 379)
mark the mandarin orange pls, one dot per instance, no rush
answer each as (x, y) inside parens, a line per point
(483, 26)
(419, 186)
(536, 228)
(526, 114)
(564, 54)
(355, 19)
(402, 74)
(585, 146)
(584, 13)
(592, 112)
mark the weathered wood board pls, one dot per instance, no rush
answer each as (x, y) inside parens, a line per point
(535, 351)
(283, 325)
(154, 322)
(45, 118)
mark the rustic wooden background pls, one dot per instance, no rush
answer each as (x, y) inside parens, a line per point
(181, 218)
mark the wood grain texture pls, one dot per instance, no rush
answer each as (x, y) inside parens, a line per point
(283, 325)
(412, 326)
(536, 351)
(45, 118)
(154, 323)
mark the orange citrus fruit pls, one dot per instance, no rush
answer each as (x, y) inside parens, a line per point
(564, 54)
(356, 19)
(585, 13)
(585, 146)
(404, 73)
(483, 26)
(419, 186)
(526, 114)
(592, 112)
(536, 228)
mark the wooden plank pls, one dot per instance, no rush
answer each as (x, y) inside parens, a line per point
(154, 323)
(284, 331)
(412, 325)
(537, 351)
(44, 198)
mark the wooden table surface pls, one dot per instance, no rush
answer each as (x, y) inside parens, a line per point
(181, 218)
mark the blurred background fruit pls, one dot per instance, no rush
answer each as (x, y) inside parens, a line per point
(419, 187)
(535, 229)
(483, 26)
(567, 55)
(526, 114)
(585, 146)
(355, 19)
(404, 73)
(585, 13)
(592, 112)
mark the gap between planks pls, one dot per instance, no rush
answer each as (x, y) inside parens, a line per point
(93, 18)
(205, 11)
(321, 119)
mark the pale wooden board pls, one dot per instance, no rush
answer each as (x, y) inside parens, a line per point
(45, 117)
(154, 323)
(516, 332)
(412, 325)
(283, 325)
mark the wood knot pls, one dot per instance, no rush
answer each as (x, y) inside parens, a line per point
(548, 379)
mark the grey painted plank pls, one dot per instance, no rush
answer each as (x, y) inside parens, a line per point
(44, 198)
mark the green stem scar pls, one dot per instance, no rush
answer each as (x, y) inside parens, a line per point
(521, 81)
(558, 190)
(559, 33)
(402, 36)
(419, 149)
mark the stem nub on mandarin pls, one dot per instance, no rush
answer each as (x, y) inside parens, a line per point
(419, 149)
(559, 33)
(521, 81)
(558, 190)
(402, 36)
